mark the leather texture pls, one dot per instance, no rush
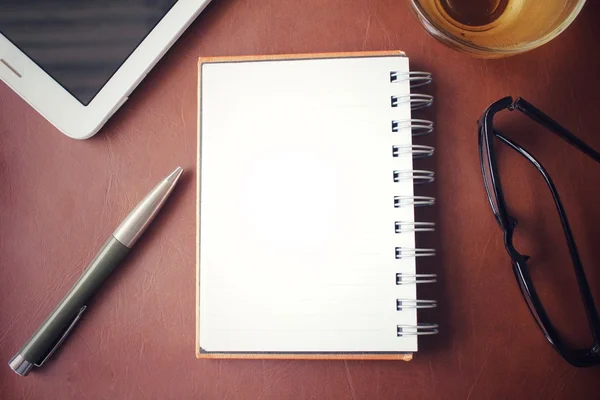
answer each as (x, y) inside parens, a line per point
(61, 198)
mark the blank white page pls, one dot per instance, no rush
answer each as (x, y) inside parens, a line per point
(296, 205)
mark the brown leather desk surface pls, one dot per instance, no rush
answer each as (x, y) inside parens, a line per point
(60, 198)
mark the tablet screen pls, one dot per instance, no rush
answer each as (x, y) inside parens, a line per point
(81, 44)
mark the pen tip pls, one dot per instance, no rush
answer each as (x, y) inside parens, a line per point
(174, 176)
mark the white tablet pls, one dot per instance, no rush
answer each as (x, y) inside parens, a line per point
(77, 61)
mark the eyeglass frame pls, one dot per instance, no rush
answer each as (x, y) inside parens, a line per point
(487, 134)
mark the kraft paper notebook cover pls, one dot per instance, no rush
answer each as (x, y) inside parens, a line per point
(306, 227)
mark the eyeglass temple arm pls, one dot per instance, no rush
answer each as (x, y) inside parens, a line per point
(541, 118)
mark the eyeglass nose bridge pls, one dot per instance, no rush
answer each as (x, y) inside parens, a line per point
(510, 247)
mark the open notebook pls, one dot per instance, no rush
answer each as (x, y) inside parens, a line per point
(306, 226)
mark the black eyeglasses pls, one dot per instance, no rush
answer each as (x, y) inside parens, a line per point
(487, 134)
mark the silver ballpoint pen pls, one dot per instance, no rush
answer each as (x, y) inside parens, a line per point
(50, 335)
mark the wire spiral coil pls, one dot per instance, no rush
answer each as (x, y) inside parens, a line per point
(416, 127)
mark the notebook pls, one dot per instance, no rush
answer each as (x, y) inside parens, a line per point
(306, 226)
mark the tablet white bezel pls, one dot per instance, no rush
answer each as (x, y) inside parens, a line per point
(63, 110)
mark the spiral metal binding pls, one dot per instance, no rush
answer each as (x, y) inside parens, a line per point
(417, 127)
(415, 279)
(401, 201)
(407, 226)
(416, 175)
(407, 252)
(416, 78)
(416, 100)
(410, 304)
(419, 330)
(417, 150)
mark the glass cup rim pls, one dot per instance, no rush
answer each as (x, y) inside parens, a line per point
(452, 40)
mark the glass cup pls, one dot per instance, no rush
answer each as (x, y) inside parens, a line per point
(495, 28)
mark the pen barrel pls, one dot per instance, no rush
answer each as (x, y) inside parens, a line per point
(44, 340)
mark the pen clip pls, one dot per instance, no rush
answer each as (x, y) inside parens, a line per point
(64, 336)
